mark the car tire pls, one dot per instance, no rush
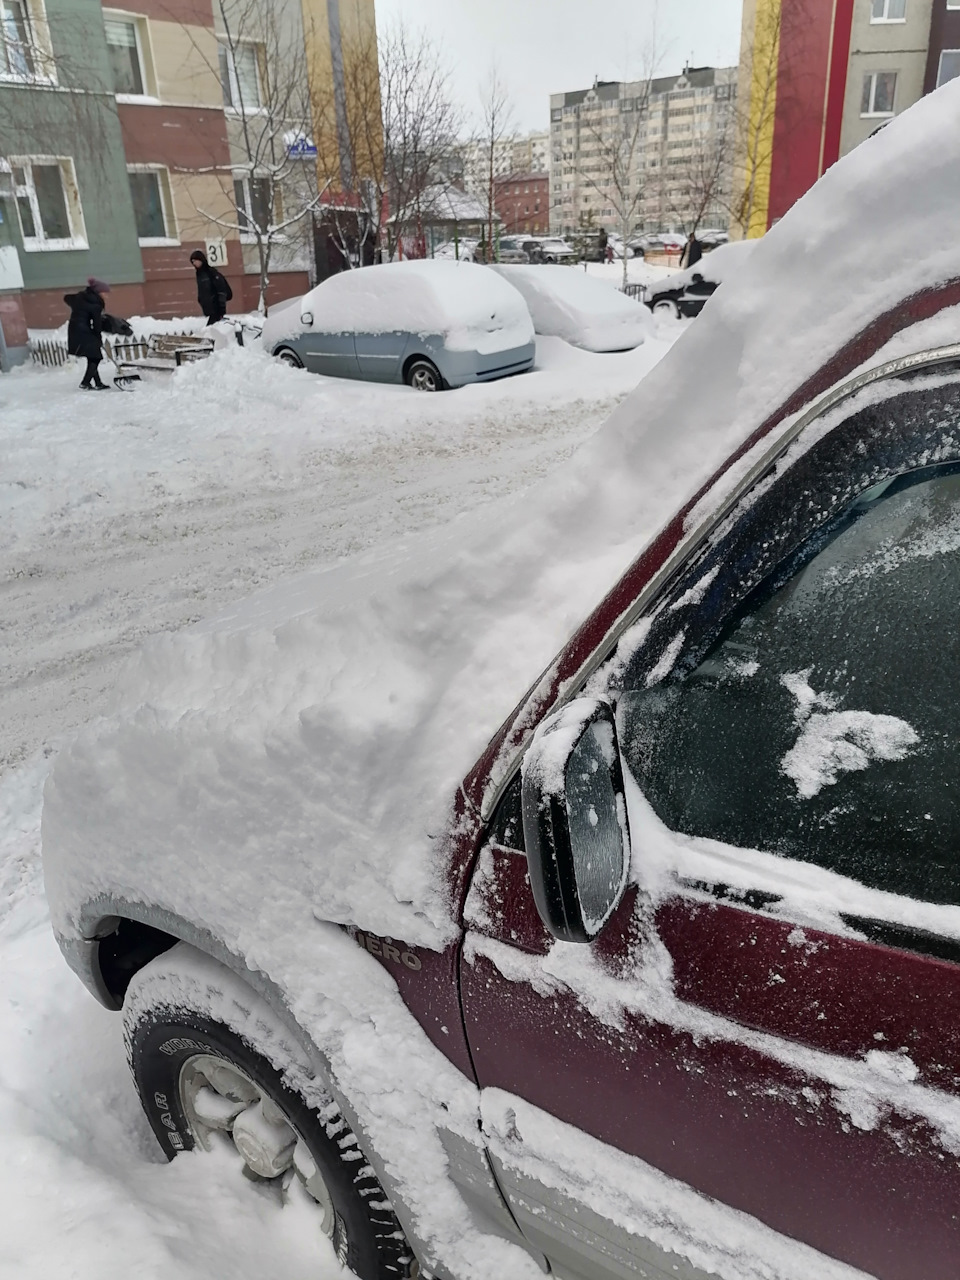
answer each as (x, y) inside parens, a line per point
(423, 375)
(213, 1064)
(286, 356)
(666, 308)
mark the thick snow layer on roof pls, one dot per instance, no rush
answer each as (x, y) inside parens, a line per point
(469, 307)
(582, 310)
(305, 749)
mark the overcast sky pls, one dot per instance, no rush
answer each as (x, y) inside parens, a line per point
(552, 46)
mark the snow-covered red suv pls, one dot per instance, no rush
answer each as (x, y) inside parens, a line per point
(663, 979)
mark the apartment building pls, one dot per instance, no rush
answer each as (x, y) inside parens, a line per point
(652, 154)
(819, 78)
(522, 201)
(180, 131)
(528, 153)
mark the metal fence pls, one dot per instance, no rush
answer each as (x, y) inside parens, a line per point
(636, 291)
(51, 353)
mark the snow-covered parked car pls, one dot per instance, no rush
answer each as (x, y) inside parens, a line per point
(662, 976)
(581, 309)
(426, 323)
(685, 293)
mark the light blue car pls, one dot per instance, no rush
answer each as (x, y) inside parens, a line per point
(429, 324)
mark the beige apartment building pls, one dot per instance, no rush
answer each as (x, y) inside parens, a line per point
(642, 150)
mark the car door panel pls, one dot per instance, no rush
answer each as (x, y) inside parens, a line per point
(768, 1139)
(833, 993)
(379, 355)
(333, 354)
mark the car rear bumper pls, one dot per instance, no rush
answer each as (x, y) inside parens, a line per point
(463, 367)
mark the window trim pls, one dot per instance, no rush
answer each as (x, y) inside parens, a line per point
(71, 196)
(233, 85)
(885, 20)
(167, 207)
(943, 53)
(872, 76)
(141, 31)
(45, 70)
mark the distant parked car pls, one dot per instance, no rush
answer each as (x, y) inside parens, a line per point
(685, 293)
(512, 250)
(429, 324)
(579, 308)
(553, 249)
(456, 250)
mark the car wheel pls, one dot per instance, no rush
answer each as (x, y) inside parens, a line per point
(213, 1067)
(666, 308)
(424, 376)
(286, 356)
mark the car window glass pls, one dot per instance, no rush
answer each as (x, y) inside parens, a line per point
(821, 725)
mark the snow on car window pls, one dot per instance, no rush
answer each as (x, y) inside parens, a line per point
(821, 726)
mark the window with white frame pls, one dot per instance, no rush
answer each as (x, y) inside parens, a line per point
(879, 93)
(254, 206)
(126, 47)
(25, 52)
(240, 76)
(888, 11)
(953, 4)
(152, 205)
(949, 67)
(48, 203)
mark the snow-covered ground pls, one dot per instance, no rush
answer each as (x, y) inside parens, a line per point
(125, 515)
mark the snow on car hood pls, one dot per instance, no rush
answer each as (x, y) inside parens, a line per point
(582, 310)
(300, 753)
(465, 304)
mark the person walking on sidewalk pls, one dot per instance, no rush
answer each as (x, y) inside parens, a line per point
(85, 328)
(213, 291)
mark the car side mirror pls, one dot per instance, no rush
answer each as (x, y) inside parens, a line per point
(306, 319)
(575, 820)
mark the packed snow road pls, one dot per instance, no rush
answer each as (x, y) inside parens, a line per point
(124, 515)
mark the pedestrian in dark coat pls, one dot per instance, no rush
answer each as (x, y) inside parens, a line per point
(85, 328)
(213, 292)
(692, 251)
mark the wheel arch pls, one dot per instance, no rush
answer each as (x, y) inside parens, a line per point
(410, 360)
(136, 933)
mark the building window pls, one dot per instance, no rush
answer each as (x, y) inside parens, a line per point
(25, 52)
(48, 202)
(879, 91)
(125, 46)
(254, 208)
(153, 206)
(240, 76)
(889, 11)
(949, 67)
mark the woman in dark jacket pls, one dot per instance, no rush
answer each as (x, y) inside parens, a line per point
(83, 332)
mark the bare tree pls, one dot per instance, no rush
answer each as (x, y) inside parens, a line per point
(497, 118)
(273, 182)
(420, 123)
(611, 163)
(697, 181)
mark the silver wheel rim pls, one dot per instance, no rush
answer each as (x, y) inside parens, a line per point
(224, 1105)
(423, 380)
(287, 357)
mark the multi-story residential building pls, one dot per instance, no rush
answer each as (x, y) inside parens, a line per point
(817, 79)
(179, 131)
(522, 201)
(643, 155)
(943, 59)
(515, 154)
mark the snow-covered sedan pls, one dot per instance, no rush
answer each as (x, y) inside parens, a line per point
(429, 324)
(581, 309)
(662, 976)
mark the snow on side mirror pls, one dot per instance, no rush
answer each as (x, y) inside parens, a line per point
(306, 319)
(575, 820)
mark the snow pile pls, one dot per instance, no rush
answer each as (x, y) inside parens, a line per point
(312, 740)
(833, 742)
(721, 264)
(579, 308)
(471, 309)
